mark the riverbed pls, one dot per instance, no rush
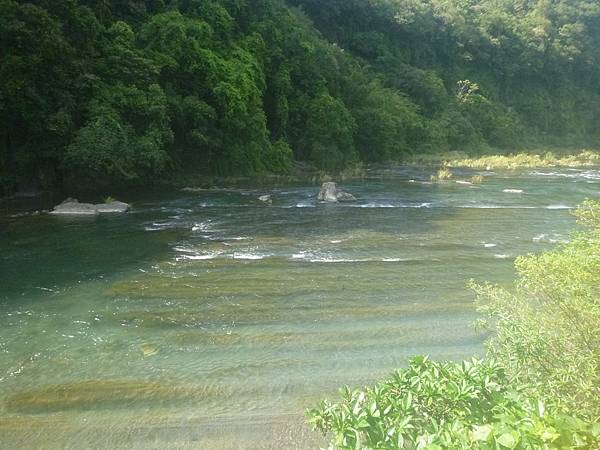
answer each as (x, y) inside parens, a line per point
(211, 320)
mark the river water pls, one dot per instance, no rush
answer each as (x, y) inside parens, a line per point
(210, 320)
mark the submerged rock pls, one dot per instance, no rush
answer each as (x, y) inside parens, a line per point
(72, 206)
(266, 199)
(330, 192)
(148, 350)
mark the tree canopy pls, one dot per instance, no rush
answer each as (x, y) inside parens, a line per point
(129, 91)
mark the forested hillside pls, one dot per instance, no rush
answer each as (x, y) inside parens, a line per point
(94, 92)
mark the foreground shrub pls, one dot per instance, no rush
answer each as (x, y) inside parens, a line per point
(547, 329)
(431, 405)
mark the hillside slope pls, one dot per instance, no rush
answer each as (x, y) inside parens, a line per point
(97, 92)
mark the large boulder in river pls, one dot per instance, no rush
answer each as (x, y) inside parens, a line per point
(73, 207)
(330, 192)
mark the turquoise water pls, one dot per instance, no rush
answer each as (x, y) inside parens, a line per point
(210, 320)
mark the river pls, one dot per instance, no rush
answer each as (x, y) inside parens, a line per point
(210, 320)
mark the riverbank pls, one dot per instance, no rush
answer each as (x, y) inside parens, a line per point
(510, 160)
(303, 173)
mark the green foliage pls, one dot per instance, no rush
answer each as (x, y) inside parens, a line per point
(388, 124)
(236, 84)
(588, 214)
(126, 136)
(431, 405)
(548, 327)
(328, 138)
(494, 124)
(280, 157)
(443, 174)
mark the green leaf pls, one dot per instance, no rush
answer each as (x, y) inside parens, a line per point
(507, 440)
(541, 408)
(481, 432)
(400, 441)
(595, 429)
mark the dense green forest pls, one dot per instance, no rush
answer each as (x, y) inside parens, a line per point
(97, 92)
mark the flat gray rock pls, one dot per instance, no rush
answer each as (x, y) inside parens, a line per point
(112, 207)
(73, 207)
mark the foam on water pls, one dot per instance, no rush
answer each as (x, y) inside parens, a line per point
(172, 222)
(249, 256)
(305, 205)
(205, 227)
(592, 174)
(377, 205)
(196, 257)
(488, 206)
(552, 238)
(356, 260)
(184, 249)
(390, 205)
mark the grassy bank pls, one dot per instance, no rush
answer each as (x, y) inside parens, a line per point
(509, 161)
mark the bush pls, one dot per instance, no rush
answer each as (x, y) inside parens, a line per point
(548, 327)
(279, 157)
(329, 134)
(431, 405)
(443, 174)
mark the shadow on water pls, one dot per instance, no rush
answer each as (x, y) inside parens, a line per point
(47, 254)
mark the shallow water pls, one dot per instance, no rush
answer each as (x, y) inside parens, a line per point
(210, 320)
